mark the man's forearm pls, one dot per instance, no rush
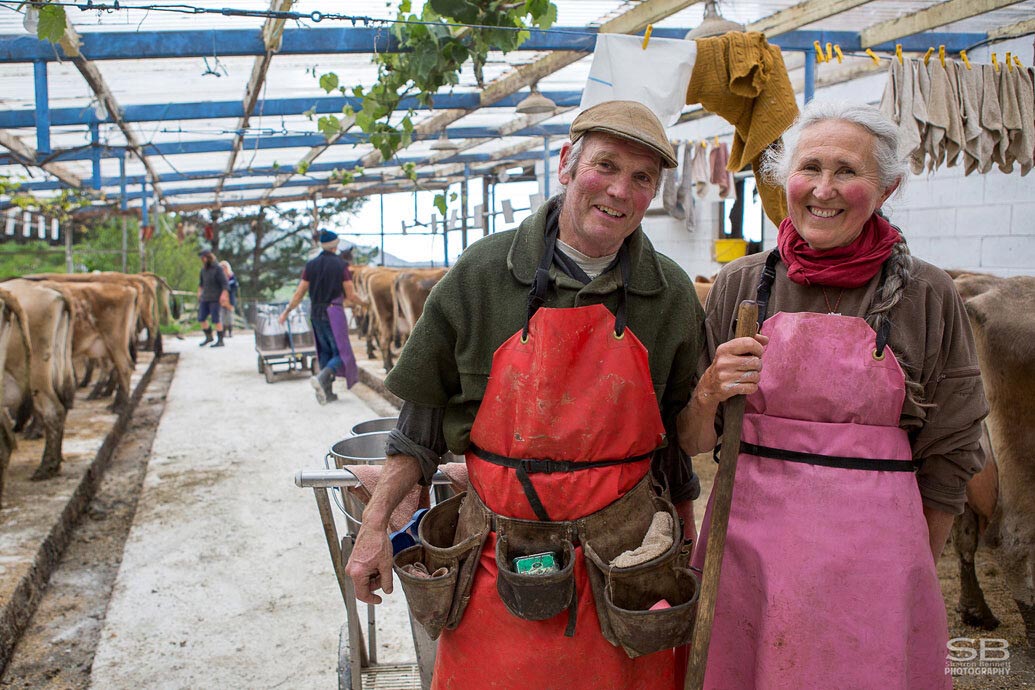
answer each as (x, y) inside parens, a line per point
(939, 526)
(400, 474)
(696, 424)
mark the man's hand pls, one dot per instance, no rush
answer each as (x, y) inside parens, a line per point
(685, 510)
(283, 317)
(224, 303)
(370, 565)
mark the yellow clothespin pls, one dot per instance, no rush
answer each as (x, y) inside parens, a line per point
(995, 62)
(646, 35)
(1008, 61)
(941, 55)
(966, 60)
(873, 56)
(1017, 61)
(927, 55)
(819, 51)
(840, 55)
(829, 53)
(898, 53)
(715, 141)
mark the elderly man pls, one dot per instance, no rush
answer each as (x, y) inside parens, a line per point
(213, 294)
(557, 357)
(327, 280)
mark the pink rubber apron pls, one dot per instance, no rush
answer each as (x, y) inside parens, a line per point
(827, 577)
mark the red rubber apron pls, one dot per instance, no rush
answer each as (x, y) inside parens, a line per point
(567, 389)
(827, 578)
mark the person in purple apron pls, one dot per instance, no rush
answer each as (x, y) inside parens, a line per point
(329, 283)
(861, 429)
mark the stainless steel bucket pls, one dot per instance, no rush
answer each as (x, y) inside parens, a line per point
(362, 449)
(378, 424)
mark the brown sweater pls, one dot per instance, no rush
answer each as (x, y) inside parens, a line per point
(930, 335)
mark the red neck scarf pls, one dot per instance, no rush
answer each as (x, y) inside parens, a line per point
(850, 266)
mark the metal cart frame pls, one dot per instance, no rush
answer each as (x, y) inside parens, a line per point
(353, 653)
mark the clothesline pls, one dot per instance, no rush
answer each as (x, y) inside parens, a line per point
(833, 51)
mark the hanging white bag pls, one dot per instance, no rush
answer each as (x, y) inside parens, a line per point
(656, 76)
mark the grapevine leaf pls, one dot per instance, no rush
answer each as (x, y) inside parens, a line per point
(329, 82)
(52, 23)
(440, 204)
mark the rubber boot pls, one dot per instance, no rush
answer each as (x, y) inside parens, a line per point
(208, 337)
(219, 342)
(321, 383)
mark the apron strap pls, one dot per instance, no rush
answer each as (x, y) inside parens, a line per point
(839, 461)
(523, 467)
(765, 289)
(541, 282)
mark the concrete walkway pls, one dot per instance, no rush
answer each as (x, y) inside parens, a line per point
(226, 580)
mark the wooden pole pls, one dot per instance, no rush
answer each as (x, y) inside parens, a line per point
(722, 492)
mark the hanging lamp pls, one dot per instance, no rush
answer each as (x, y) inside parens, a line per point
(443, 143)
(535, 103)
(713, 23)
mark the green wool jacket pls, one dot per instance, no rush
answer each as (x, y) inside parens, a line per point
(483, 299)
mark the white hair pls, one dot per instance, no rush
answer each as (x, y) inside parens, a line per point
(891, 168)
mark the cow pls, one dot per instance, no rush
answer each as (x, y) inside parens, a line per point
(14, 374)
(145, 285)
(103, 327)
(409, 293)
(47, 352)
(702, 286)
(361, 313)
(999, 505)
(375, 290)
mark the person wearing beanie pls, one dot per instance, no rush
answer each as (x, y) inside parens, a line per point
(328, 282)
(213, 294)
(227, 313)
(557, 357)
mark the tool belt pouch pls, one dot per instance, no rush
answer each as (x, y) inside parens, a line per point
(624, 596)
(451, 538)
(535, 597)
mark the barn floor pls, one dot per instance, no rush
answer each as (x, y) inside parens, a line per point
(225, 579)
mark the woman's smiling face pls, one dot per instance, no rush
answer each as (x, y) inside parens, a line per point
(834, 184)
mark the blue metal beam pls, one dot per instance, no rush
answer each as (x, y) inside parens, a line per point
(39, 69)
(95, 139)
(147, 45)
(271, 172)
(13, 119)
(291, 141)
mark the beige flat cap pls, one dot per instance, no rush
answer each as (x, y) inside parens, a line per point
(628, 120)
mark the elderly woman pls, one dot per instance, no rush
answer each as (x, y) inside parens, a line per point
(860, 432)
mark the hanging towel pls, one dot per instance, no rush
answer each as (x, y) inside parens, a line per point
(939, 115)
(969, 90)
(656, 76)
(1023, 139)
(700, 171)
(955, 139)
(670, 183)
(991, 146)
(742, 78)
(921, 92)
(720, 176)
(686, 186)
(1011, 117)
(897, 105)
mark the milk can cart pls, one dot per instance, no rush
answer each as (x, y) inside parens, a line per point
(358, 667)
(284, 350)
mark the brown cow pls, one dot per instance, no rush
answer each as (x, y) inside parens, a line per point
(50, 392)
(15, 374)
(409, 293)
(703, 286)
(999, 504)
(147, 302)
(105, 317)
(375, 290)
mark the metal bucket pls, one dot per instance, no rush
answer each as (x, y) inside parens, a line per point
(378, 424)
(362, 449)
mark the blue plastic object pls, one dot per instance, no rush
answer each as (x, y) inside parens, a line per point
(407, 536)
